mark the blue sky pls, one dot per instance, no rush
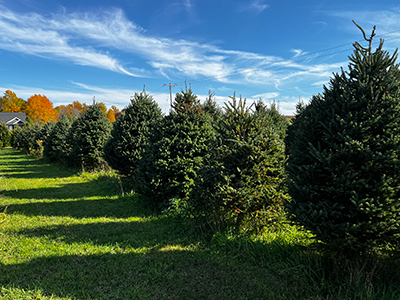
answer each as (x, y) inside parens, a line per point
(274, 49)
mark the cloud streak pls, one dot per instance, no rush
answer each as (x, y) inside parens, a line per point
(386, 21)
(32, 34)
(88, 39)
(256, 7)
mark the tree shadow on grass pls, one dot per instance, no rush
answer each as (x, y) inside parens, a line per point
(23, 166)
(122, 207)
(38, 171)
(150, 260)
(102, 186)
(153, 275)
(146, 232)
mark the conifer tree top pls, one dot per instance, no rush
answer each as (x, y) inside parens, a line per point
(357, 44)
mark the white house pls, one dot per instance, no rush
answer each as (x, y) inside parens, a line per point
(12, 119)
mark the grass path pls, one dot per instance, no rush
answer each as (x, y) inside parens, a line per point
(65, 235)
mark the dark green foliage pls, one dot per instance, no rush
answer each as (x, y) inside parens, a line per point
(56, 148)
(211, 108)
(344, 150)
(44, 134)
(178, 146)
(5, 136)
(15, 137)
(30, 138)
(130, 134)
(243, 181)
(271, 117)
(87, 137)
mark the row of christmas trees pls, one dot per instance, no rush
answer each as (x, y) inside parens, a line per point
(336, 172)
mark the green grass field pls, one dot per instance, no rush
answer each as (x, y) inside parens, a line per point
(68, 235)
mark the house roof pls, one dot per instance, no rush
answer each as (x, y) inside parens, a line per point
(14, 117)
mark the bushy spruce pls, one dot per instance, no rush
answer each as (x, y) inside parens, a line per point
(243, 181)
(271, 117)
(87, 137)
(16, 138)
(211, 108)
(5, 136)
(344, 157)
(31, 137)
(176, 151)
(56, 148)
(41, 138)
(130, 134)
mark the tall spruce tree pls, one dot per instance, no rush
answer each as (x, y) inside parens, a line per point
(130, 134)
(344, 150)
(87, 137)
(5, 136)
(56, 148)
(176, 151)
(242, 183)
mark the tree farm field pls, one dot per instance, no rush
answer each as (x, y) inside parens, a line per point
(71, 235)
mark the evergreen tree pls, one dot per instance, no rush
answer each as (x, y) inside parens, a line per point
(243, 180)
(211, 107)
(87, 137)
(5, 136)
(55, 147)
(176, 151)
(16, 138)
(130, 134)
(29, 140)
(271, 117)
(344, 150)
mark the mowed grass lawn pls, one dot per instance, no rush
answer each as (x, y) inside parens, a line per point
(66, 235)
(71, 235)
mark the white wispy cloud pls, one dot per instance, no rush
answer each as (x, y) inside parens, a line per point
(266, 96)
(256, 6)
(387, 22)
(89, 39)
(298, 52)
(84, 93)
(290, 72)
(32, 34)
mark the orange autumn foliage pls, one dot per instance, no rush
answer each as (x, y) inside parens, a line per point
(114, 109)
(14, 107)
(74, 109)
(103, 107)
(110, 116)
(40, 109)
(11, 103)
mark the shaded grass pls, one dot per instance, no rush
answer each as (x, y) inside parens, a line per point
(74, 236)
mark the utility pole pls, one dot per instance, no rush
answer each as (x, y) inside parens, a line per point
(170, 91)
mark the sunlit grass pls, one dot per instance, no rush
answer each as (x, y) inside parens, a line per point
(67, 235)
(75, 236)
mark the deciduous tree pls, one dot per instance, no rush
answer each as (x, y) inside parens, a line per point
(40, 109)
(110, 116)
(11, 103)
